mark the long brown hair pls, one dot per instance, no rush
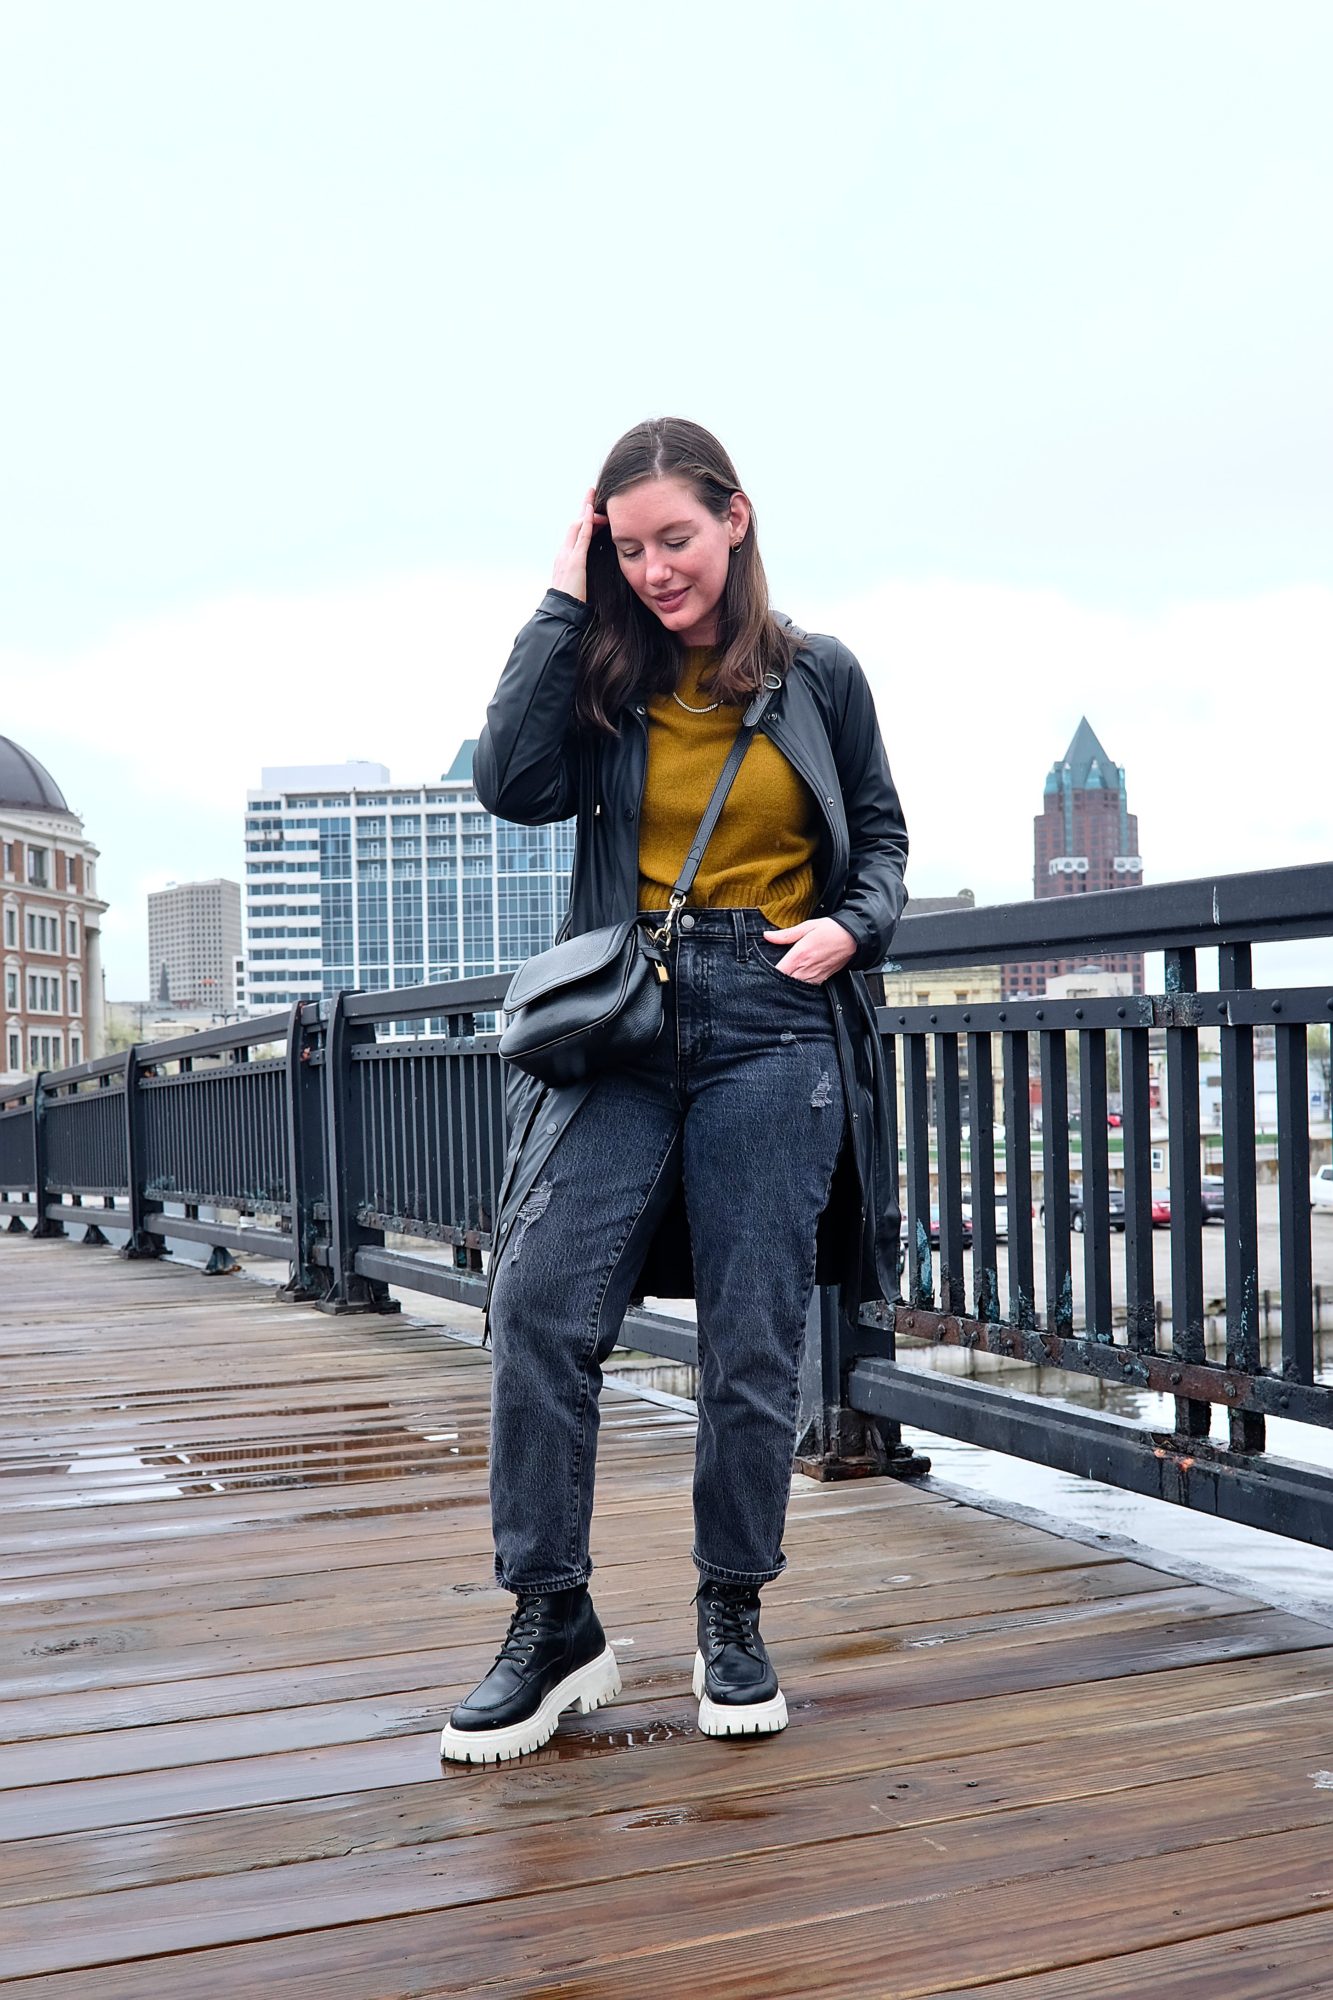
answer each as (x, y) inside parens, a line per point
(627, 651)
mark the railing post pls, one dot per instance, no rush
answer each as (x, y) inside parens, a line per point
(1136, 1111)
(1293, 1192)
(919, 1266)
(307, 1170)
(42, 1226)
(838, 1442)
(141, 1242)
(343, 1139)
(1184, 1138)
(1235, 974)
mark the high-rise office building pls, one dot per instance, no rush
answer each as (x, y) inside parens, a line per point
(352, 881)
(194, 936)
(1086, 838)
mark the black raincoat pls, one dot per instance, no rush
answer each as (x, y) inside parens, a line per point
(534, 764)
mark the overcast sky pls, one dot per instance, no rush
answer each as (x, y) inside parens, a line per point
(1017, 319)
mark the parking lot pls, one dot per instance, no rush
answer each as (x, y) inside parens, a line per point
(1214, 1273)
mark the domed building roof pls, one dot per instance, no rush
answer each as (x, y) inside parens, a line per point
(26, 785)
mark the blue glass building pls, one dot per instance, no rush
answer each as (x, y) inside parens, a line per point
(351, 881)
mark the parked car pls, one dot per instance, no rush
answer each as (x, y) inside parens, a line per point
(1321, 1188)
(1077, 1215)
(1161, 1208)
(1001, 1212)
(1114, 1120)
(935, 1228)
(1214, 1206)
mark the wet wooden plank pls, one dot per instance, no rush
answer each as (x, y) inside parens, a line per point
(1284, 1960)
(992, 1667)
(397, 1546)
(812, 1636)
(110, 1735)
(690, 1782)
(771, 1925)
(222, 1705)
(851, 1829)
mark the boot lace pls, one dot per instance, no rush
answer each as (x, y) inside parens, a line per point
(524, 1631)
(731, 1618)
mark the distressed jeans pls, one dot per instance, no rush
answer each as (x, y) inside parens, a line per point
(741, 1100)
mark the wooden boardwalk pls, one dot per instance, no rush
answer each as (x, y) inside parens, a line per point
(245, 1567)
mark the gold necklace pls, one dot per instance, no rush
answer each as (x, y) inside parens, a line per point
(695, 711)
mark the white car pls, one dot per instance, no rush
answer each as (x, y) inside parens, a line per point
(1321, 1188)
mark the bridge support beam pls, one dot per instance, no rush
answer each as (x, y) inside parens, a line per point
(347, 1292)
(307, 1157)
(142, 1243)
(838, 1442)
(45, 1225)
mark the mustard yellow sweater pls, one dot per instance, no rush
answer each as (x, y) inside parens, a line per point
(762, 854)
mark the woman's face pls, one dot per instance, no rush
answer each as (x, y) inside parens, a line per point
(674, 553)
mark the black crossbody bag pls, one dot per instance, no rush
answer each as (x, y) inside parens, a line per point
(597, 999)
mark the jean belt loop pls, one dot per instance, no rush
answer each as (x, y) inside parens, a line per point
(742, 936)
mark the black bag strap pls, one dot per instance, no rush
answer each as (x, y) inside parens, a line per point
(745, 736)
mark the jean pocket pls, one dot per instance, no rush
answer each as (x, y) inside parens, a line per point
(759, 952)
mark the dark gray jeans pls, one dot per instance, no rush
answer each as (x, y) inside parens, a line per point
(742, 1097)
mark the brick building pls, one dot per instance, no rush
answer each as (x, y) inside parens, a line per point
(1086, 838)
(50, 924)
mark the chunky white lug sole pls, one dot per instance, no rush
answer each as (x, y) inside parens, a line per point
(585, 1689)
(737, 1718)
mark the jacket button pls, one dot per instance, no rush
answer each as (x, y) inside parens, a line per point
(551, 1125)
(629, 812)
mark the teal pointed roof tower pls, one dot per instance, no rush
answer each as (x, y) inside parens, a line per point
(1087, 766)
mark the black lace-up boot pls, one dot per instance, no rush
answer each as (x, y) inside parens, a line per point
(554, 1657)
(734, 1679)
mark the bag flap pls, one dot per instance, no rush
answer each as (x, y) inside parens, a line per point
(577, 958)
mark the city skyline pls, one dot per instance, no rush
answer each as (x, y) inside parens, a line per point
(943, 877)
(1023, 365)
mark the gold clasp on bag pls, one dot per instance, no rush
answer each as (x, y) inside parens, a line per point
(662, 937)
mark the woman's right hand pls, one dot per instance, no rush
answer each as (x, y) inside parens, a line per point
(571, 565)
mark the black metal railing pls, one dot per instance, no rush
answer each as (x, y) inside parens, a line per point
(317, 1136)
(1033, 1298)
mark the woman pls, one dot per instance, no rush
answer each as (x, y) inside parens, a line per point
(752, 1135)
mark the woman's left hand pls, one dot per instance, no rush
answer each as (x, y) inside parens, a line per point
(819, 948)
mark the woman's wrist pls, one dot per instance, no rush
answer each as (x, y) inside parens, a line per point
(852, 930)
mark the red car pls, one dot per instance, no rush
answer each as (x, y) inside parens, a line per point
(1161, 1206)
(1114, 1120)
